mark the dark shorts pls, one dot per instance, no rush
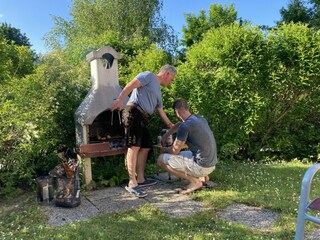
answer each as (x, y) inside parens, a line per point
(135, 125)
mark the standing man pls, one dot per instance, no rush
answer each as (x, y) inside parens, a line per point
(194, 165)
(145, 98)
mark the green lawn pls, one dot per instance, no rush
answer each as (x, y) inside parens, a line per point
(274, 186)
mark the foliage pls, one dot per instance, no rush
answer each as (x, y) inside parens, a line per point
(257, 91)
(298, 11)
(218, 15)
(315, 21)
(223, 72)
(22, 60)
(13, 35)
(115, 23)
(150, 59)
(21, 55)
(5, 63)
(109, 171)
(15, 61)
(36, 117)
(124, 17)
(273, 186)
(292, 118)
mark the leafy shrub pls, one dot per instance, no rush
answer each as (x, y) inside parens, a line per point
(37, 117)
(291, 121)
(221, 80)
(258, 91)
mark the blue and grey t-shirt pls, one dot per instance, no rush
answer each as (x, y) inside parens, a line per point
(148, 96)
(197, 134)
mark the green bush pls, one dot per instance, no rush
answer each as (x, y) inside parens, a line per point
(221, 80)
(37, 118)
(291, 121)
(259, 91)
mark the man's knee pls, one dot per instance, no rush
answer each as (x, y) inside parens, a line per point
(160, 159)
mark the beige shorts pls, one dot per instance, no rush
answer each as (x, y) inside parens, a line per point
(184, 163)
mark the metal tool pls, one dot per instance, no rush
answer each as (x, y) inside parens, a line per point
(111, 118)
(119, 117)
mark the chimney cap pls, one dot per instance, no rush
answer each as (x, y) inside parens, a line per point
(97, 54)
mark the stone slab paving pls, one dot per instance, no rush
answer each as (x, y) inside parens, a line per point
(313, 235)
(257, 218)
(60, 216)
(252, 217)
(164, 196)
(181, 206)
(113, 199)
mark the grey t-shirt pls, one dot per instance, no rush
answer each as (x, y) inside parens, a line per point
(148, 96)
(197, 134)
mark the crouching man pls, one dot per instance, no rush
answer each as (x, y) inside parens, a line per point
(194, 165)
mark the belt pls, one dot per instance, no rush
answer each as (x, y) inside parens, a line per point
(131, 104)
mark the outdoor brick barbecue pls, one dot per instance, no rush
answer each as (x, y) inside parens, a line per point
(99, 131)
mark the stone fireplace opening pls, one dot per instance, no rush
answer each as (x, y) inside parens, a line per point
(106, 127)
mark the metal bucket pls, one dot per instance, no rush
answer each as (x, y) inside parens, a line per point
(45, 188)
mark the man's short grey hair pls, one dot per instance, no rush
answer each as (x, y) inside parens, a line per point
(169, 68)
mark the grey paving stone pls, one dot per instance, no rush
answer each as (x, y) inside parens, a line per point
(120, 201)
(179, 207)
(58, 216)
(115, 205)
(104, 193)
(252, 217)
(313, 235)
(160, 192)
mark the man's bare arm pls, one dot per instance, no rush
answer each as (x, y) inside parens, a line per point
(175, 148)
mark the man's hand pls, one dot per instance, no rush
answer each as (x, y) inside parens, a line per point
(174, 149)
(117, 104)
(163, 141)
(170, 125)
(171, 131)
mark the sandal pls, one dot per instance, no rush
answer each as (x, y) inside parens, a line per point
(209, 184)
(136, 191)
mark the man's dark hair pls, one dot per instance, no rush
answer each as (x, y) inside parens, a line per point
(180, 104)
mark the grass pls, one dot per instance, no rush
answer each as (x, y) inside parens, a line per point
(274, 186)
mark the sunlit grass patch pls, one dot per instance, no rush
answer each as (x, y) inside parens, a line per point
(217, 199)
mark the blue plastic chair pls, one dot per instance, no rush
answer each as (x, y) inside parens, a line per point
(305, 204)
